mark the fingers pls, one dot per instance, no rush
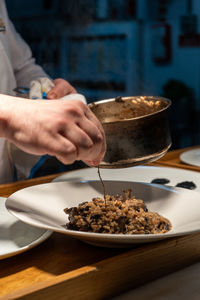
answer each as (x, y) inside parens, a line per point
(67, 153)
(60, 147)
(72, 148)
(97, 136)
(95, 121)
(87, 145)
(85, 133)
(95, 162)
(61, 88)
(66, 130)
(84, 139)
(92, 126)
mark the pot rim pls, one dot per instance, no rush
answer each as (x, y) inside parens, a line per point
(168, 101)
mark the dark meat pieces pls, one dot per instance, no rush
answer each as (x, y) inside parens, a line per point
(187, 185)
(160, 181)
(118, 214)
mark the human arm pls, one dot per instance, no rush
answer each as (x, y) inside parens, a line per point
(67, 130)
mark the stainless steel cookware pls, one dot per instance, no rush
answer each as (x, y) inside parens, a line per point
(136, 129)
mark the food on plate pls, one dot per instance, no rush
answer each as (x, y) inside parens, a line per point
(190, 185)
(160, 181)
(116, 214)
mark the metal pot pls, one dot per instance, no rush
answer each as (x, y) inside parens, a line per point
(136, 129)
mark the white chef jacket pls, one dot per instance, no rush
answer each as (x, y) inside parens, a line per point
(17, 68)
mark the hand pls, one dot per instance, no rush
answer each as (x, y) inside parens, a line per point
(61, 89)
(65, 129)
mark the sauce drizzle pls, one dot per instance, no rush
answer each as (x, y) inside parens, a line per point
(104, 190)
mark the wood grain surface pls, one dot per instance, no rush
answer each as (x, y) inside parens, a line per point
(172, 159)
(65, 268)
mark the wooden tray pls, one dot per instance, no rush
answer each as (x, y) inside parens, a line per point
(68, 269)
(65, 268)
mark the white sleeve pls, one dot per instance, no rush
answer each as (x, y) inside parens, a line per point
(24, 66)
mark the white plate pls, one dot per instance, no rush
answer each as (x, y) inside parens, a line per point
(43, 206)
(140, 174)
(16, 236)
(191, 157)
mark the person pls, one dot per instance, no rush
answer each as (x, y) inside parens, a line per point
(67, 130)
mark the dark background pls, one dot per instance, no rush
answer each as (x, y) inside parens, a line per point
(103, 49)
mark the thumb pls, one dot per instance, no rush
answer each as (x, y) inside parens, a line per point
(53, 94)
(61, 89)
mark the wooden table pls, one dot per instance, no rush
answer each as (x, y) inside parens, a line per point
(65, 268)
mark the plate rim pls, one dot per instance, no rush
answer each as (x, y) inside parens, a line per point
(129, 238)
(56, 179)
(44, 236)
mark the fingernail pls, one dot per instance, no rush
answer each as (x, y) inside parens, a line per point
(52, 96)
(93, 162)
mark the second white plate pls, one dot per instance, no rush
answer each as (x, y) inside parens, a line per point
(16, 236)
(191, 157)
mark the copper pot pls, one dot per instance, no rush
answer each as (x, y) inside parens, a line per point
(136, 129)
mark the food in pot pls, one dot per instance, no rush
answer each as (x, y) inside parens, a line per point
(116, 214)
(128, 108)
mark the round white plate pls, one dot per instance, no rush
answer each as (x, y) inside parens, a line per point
(180, 206)
(140, 174)
(191, 157)
(16, 236)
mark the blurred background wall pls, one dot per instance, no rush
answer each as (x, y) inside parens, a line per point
(107, 48)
